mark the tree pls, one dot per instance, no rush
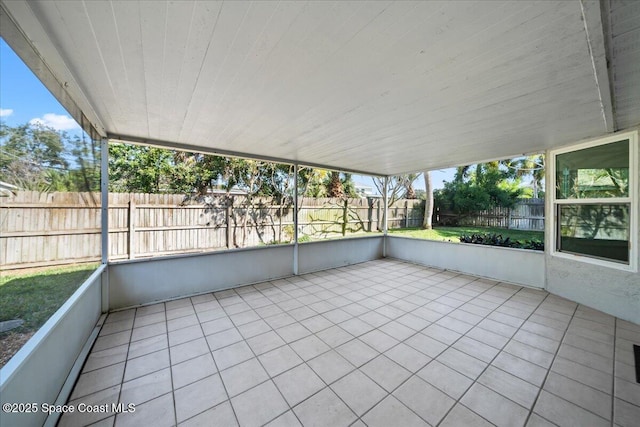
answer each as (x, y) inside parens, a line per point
(529, 166)
(194, 173)
(407, 182)
(338, 185)
(282, 181)
(86, 177)
(139, 169)
(34, 157)
(398, 186)
(475, 189)
(428, 204)
(334, 187)
(311, 182)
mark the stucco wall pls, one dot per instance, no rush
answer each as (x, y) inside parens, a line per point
(143, 281)
(158, 279)
(39, 370)
(611, 290)
(321, 255)
(519, 266)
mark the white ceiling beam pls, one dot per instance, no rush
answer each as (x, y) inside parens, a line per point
(228, 153)
(594, 29)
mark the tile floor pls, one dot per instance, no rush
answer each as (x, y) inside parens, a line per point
(384, 343)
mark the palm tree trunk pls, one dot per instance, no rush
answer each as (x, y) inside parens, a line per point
(428, 204)
(335, 185)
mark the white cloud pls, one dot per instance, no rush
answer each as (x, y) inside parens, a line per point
(56, 121)
(5, 112)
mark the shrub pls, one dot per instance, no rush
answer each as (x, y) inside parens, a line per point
(498, 240)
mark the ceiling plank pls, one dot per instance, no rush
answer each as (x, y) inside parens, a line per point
(384, 87)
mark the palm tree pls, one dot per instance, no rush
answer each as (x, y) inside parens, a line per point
(428, 204)
(407, 182)
(335, 185)
(461, 173)
(534, 166)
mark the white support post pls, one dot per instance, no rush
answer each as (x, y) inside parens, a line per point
(385, 213)
(295, 219)
(104, 219)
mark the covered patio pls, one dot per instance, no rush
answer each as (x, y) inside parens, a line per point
(378, 343)
(376, 330)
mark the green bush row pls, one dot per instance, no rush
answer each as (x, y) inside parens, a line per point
(498, 240)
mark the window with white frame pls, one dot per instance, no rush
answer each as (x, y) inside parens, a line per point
(594, 200)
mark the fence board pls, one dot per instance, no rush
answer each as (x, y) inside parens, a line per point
(39, 229)
(527, 214)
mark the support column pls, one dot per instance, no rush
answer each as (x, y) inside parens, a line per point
(295, 219)
(104, 220)
(385, 214)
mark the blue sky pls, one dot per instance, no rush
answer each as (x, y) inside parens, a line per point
(23, 99)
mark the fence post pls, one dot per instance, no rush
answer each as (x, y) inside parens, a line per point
(406, 214)
(509, 220)
(228, 215)
(345, 216)
(132, 229)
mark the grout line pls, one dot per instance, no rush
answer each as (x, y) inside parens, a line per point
(613, 374)
(217, 372)
(173, 396)
(443, 315)
(305, 363)
(263, 367)
(126, 361)
(502, 349)
(356, 284)
(555, 356)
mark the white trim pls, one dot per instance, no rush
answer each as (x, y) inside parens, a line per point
(104, 219)
(593, 28)
(632, 200)
(592, 142)
(196, 254)
(170, 145)
(67, 388)
(591, 201)
(385, 216)
(53, 73)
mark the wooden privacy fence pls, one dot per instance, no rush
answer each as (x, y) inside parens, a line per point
(46, 229)
(527, 214)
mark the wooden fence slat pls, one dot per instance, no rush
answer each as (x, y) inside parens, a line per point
(59, 228)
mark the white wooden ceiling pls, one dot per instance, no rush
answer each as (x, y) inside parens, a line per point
(380, 87)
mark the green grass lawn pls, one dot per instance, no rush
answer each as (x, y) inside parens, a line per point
(453, 233)
(34, 297)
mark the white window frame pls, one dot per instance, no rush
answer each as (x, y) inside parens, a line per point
(632, 200)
